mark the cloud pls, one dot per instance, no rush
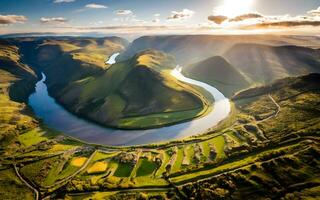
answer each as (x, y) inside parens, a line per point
(124, 12)
(246, 16)
(181, 15)
(63, 1)
(12, 19)
(251, 21)
(156, 20)
(218, 19)
(315, 12)
(53, 20)
(95, 6)
(157, 15)
(288, 24)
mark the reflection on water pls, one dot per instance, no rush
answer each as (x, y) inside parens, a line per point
(112, 59)
(55, 116)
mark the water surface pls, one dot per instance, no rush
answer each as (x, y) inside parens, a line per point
(112, 59)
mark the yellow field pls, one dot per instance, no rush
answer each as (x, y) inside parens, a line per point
(78, 162)
(97, 167)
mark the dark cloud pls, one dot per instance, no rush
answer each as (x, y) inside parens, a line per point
(179, 15)
(287, 24)
(12, 19)
(245, 17)
(218, 19)
(124, 12)
(53, 20)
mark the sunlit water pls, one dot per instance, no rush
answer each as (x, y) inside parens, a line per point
(112, 59)
(55, 116)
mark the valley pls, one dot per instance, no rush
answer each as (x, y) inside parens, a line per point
(228, 125)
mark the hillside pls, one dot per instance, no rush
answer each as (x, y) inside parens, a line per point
(136, 93)
(218, 72)
(65, 59)
(16, 84)
(263, 63)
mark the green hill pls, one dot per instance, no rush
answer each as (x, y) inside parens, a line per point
(137, 93)
(218, 72)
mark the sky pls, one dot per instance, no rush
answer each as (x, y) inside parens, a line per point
(160, 16)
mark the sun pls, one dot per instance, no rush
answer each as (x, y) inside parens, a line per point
(232, 8)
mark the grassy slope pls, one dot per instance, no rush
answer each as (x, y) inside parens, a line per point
(137, 93)
(218, 72)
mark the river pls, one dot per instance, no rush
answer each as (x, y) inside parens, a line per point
(57, 117)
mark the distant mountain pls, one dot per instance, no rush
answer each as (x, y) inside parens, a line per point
(219, 73)
(136, 93)
(263, 63)
(189, 49)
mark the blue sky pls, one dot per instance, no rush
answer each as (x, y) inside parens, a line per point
(177, 15)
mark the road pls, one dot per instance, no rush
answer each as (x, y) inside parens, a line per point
(278, 106)
(26, 182)
(276, 113)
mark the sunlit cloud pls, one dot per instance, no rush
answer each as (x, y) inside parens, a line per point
(232, 8)
(252, 21)
(245, 17)
(95, 6)
(12, 19)
(181, 15)
(315, 12)
(63, 1)
(218, 19)
(53, 20)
